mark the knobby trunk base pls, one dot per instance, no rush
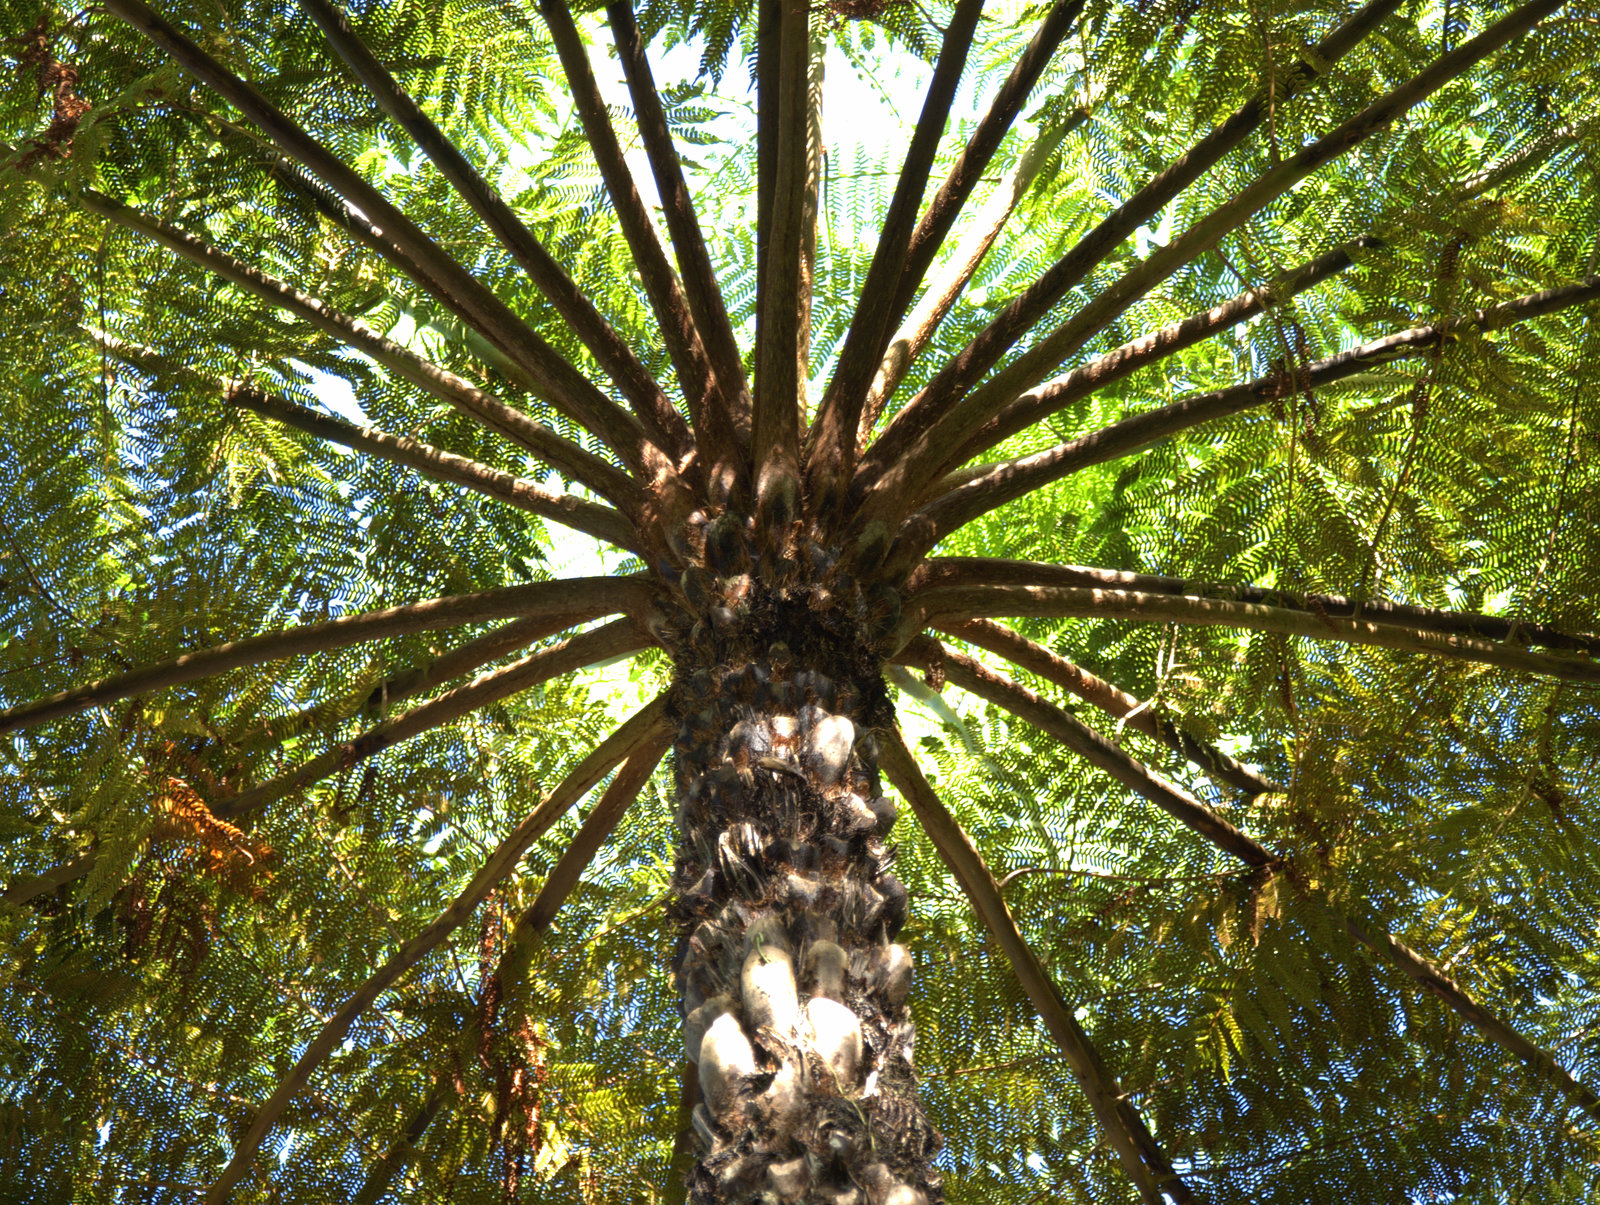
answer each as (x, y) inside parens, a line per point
(793, 989)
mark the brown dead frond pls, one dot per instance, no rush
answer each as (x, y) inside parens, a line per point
(221, 851)
(59, 81)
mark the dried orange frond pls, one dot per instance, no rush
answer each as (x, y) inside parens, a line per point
(227, 854)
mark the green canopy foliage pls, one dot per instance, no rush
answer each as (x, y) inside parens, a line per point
(150, 1005)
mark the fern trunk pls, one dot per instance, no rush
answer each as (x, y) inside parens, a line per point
(793, 989)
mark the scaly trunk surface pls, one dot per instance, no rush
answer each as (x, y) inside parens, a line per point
(794, 992)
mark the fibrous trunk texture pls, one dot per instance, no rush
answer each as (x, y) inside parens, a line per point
(794, 991)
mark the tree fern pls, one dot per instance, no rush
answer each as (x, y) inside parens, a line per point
(1124, 549)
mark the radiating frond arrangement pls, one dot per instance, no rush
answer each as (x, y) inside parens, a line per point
(446, 445)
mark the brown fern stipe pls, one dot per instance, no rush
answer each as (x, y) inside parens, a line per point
(793, 988)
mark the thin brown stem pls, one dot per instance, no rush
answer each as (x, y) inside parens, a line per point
(780, 377)
(591, 835)
(810, 209)
(546, 373)
(685, 1142)
(948, 420)
(1136, 1149)
(408, 683)
(610, 350)
(699, 278)
(908, 434)
(602, 522)
(158, 1071)
(1527, 156)
(595, 830)
(35, 582)
(973, 676)
(996, 484)
(986, 571)
(907, 343)
(1111, 699)
(404, 1147)
(31, 887)
(956, 603)
(1560, 512)
(769, 32)
(646, 725)
(446, 667)
(985, 139)
(1437, 982)
(549, 598)
(1088, 378)
(712, 393)
(1206, 823)
(833, 434)
(574, 461)
(1045, 353)
(358, 227)
(615, 639)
